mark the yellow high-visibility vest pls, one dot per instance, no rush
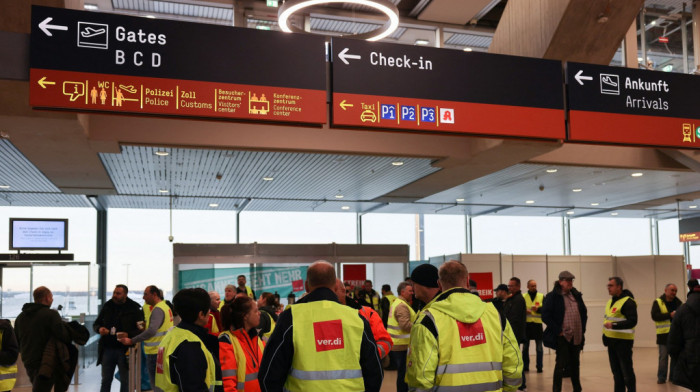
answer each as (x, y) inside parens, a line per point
(613, 313)
(150, 346)
(8, 374)
(664, 326)
(327, 337)
(533, 317)
(398, 335)
(167, 346)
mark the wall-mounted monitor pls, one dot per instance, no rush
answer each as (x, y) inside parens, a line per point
(38, 234)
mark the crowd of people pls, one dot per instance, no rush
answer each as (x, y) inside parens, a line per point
(435, 332)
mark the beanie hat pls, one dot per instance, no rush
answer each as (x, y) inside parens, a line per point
(425, 275)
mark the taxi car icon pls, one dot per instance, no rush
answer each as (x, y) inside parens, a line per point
(368, 115)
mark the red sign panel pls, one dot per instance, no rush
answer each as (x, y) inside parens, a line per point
(689, 237)
(446, 116)
(471, 334)
(297, 285)
(328, 335)
(484, 284)
(663, 40)
(355, 274)
(133, 94)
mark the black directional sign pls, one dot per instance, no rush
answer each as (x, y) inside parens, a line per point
(406, 87)
(105, 62)
(632, 106)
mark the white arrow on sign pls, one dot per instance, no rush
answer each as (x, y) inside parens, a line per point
(344, 55)
(46, 27)
(579, 77)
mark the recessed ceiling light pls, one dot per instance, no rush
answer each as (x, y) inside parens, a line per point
(4, 187)
(460, 200)
(614, 214)
(163, 190)
(422, 42)
(397, 163)
(552, 170)
(345, 207)
(570, 212)
(467, 49)
(576, 190)
(268, 178)
(529, 202)
(162, 153)
(339, 196)
(595, 204)
(90, 7)
(637, 174)
(150, 16)
(213, 205)
(692, 206)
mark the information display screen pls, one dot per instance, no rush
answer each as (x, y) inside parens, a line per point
(378, 85)
(100, 62)
(632, 106)
(38, 234)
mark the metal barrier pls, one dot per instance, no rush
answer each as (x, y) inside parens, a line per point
(135, 368)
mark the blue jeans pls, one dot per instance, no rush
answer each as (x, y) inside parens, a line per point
(400, 360)
(663, 365)
(151, 360)
(113, 357)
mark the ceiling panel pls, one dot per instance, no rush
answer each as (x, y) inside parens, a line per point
(213, 13)
(26, 199)
(178, 203)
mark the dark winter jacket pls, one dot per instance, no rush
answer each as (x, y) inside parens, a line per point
(34, 327)
(188, 364)
(122, 317)
(684, 343)
(656, 314)
(629, 310)
(9, 350)
(553, 310)
(515, 311)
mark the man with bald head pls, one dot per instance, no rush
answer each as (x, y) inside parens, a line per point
(436, 361)
(319, 342)
(662, 312)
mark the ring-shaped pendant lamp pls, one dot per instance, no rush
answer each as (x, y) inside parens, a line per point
(290, 7)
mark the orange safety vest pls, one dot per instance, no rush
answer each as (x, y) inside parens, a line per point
(240, 361)
(381, 336)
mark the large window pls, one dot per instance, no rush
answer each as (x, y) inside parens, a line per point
(668, 237)
(444, 235)
(610, 236)
(517, 235)
(298, 227)
(391, 229)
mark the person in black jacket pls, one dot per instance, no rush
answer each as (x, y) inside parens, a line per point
(515, 311)
(566, 316)
(618, 334)
(684, 342)
(663, 317)
(9, 351)
(276, 364)
(119, 314)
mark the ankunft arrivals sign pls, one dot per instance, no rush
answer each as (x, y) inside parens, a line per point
(100, 62)
(280, 280)
(632, 106)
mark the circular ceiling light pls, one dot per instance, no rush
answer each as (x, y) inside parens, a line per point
(290, 7)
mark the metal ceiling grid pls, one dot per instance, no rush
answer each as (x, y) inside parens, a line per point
(597, 185)
(323, 24)
(469, 40)
(175, 8)
(29, 199)
(309, 205)
(19, 173)
(672, 5)
(302, 176)
(163, 202)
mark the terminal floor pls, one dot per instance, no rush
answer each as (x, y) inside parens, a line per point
(595, 375)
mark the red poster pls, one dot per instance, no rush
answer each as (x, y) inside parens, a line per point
(355, 274)
(484, 284)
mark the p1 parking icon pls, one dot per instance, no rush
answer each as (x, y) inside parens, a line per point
(388, 112)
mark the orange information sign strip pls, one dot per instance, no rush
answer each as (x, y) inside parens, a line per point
(133, 94)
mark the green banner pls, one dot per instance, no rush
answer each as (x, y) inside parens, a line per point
(283, 280)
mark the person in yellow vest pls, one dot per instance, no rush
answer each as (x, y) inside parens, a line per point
(242, 288)
(369, 297)
(387, 298)
(9, 351)
(267, 304)
(214, 325)
(461, 343)
(662, 312)
(188, 356)
(401, 318)
(533, 325)
(618, 334)
(240, 347)
(158, 323)
(320, 345)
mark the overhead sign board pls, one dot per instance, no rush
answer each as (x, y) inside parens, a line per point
(113, 63)
(378, 85)
(631, 106)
